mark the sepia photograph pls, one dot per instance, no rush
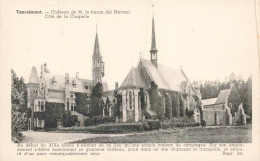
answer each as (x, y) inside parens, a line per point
(130, 73)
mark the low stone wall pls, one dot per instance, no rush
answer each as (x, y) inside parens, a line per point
(214, 117)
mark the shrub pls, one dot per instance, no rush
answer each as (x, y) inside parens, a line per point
(166, 125)
(168, 105)
(146, 126)
(37, 128)
(184, 122)
(118, 128)
(147, 115)
(154, 124)
(82, 103)
(67, 119)
(203, 123)
(94, 121)
(157, 101)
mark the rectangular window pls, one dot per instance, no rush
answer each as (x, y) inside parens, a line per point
(86, 87)
(39, 105)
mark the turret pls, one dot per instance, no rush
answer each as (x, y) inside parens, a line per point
(98, 66)
(153, 50)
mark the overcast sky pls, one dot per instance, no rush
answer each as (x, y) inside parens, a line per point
(208, 38)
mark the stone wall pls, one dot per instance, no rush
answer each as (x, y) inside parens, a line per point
(215, 114)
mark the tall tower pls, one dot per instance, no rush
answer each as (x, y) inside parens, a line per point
(33, 88)
(153, 50)
(98, 66)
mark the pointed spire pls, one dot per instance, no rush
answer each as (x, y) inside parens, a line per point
(96, 47)
(34, 79)
(153, 50)
(153, 47)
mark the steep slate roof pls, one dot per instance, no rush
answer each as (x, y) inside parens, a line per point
(223, 96)
(134, 79)
(34, 79)
(209, 101)
(60, 85)
(166, 77)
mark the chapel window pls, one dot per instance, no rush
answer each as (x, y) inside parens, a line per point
(42, 105)
(130, 99)
(39, 105)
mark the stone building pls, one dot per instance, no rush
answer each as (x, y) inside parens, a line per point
(166, 78)
(216, 110)
(49, 87)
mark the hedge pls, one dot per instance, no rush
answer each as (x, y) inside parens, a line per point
(184, 122)
(154, 124)
(81, 103)
(94, 121)
(118, 128)
(53, 113)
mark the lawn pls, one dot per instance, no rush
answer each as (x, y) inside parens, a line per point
(194, 135)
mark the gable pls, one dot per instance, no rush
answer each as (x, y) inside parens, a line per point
(166, 77)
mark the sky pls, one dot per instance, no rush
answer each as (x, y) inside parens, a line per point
(209, 39)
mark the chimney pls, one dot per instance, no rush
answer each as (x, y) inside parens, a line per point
(116, 85)
(77, 75)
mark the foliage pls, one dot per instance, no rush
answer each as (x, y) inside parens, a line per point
(168, 104)
(39, 115)
(146, 115)
(107, 104)
(146, 126)
(142, 99)
(67, 119)
(53, 113)
(181, 105)
(203, 123)
(81, 103)
(154, 124)
(190, 114)
(201, 111)
(174, 99)
(157, 101)
(94, 121)
(97, 104)
(19, 107)
(211, 89)
(183, 122)
(118, 104)
(248, 103)
(234, 101)
(118, 128)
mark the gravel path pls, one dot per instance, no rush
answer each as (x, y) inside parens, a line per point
(50, 137)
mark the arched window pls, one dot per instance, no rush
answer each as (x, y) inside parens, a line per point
(42, 105)
(126, 100)
(133, 99)
(130, 99)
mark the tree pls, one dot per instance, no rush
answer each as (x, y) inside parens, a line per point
(234, 101)
(97, 103)
(81, 103)
(249, 97)
(19, 109)
(168, 105)
(157, 101)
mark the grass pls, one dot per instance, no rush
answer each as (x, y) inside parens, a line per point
(194, 135)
